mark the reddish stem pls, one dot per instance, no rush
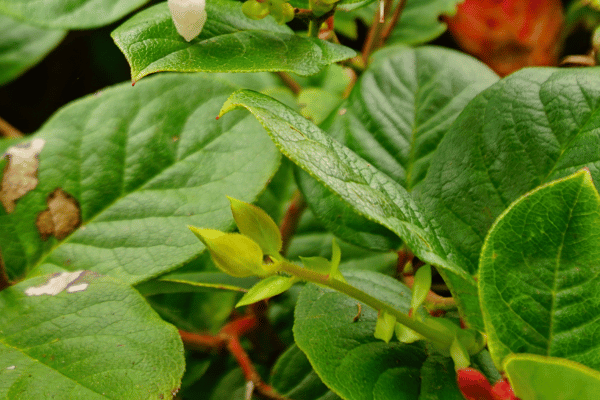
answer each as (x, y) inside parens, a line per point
(290, 220)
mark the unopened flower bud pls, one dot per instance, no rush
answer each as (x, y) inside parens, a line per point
(188, 16)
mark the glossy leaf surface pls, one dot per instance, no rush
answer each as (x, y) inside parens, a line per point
(72, 14)
(229, 42)
(344, 352)
(395, 117)
(539, 274)
(367, 190)
(22, 46)
(83, 336)
(137, 164)
(534, 126)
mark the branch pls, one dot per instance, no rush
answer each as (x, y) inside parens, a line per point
(9, 131)
(289, 82)
(229, 338)
(374, 33)
(290, 220)
(393, 22)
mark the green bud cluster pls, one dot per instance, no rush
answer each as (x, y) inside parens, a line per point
(320, 7)
(282, 11)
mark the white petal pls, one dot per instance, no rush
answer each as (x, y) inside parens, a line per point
(189, 17)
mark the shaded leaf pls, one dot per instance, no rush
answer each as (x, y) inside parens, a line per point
(22, 46)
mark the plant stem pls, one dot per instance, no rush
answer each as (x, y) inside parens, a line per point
(9, 131)
(431, 333)
(313, 28)
(290, 220)
(374, 33)
(393, 22)
(289, 82)
(4, 280)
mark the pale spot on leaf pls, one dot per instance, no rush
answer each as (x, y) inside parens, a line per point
(11, 367)
(77, 288)
(20, 173)
(55, 285)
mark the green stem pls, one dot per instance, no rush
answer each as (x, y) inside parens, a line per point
(433, 334)
(313, 28)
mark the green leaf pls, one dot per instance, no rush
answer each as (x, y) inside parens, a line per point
(22, 46)
(233, 253)
(72, 14)
(268, 287)
(539, 274)
(534, 126)
(421, 286)
(137, 165)
(82, 336)
(395, 117)
(535, 377)
(293, 377)
(362, 186)
(385, 326)
(229, 42)
(257, 225)
(438, 379)
(344, 353)
(195, 282)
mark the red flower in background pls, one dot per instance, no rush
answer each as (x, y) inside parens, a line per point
(509, 34)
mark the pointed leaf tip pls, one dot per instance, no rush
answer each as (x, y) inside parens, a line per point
(257, 225)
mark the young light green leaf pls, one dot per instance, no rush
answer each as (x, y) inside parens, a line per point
(459, 355)
(539, 260)
(364, 188)
(405, 334)
(195, 282)
(257, 225)
(229, 42)
(232, 253)
(268, 287)
(421, 286)
(336, 256)
(317, 264)
(535, 377)
(384, 327)
(87, 336)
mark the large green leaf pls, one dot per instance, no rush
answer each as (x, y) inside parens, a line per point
(294, 377)
(535, 377)
(438, 379)
(369, 191)
(540, 271)
(229, 42)
(69, 14)
(534, 126)
(22, 46)
(82, 336)
(137, 165)
(344, 352)
(395, 117)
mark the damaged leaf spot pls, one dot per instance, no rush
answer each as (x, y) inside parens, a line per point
(11, 367)
(20, 173)
(55, 285)
(72, 281)
(60, 218)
